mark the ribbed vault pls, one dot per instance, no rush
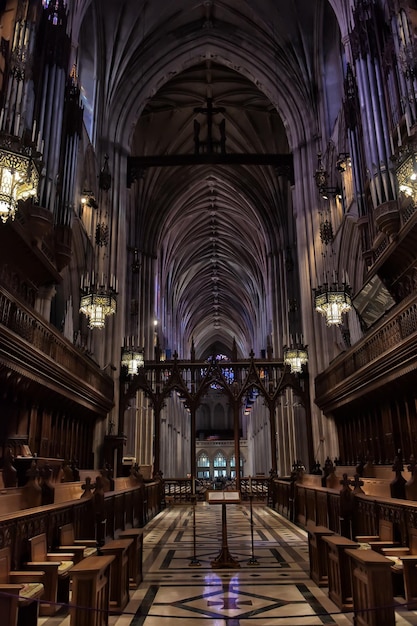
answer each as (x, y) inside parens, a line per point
(219, 234)
(213, 227)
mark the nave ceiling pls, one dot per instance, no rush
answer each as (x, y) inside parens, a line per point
(221, 233)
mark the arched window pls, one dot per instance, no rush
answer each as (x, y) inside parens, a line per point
(233, 466)
(220, 465)
(203, 466)
(203, 460)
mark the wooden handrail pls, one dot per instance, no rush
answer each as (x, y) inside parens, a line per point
(36, 349)
(387, 350)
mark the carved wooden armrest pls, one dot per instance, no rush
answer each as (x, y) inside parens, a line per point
(395, 551)
(88, 543)
(33, 576)
(366, 538)
(45, 565)
(378, 546)
(60, 556)
(409, 559)
(71, 549)
(11, 588)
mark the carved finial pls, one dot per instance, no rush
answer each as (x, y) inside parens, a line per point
(345, 482)
(398, 466)
(357, 484)
(88, 488)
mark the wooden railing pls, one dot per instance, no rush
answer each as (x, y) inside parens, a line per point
(179, 490)
(308, 503)
(31, 345)
(126, 508)
(371, 358)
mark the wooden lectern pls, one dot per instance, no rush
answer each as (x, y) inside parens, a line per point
(224, 558)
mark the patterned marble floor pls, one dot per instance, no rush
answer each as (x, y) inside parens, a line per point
(271, 586)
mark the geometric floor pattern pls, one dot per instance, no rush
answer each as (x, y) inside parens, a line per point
(271, 586)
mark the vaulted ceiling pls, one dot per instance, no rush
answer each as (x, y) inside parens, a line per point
(215, 229)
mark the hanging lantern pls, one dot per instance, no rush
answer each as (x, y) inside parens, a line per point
(132, 358)
(98, 301)
(97, 306)
(19, 175)
(296, 357)
(332, 301)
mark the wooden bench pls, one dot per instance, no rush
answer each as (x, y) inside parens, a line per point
(81, 548)
(123, 509)
(65, 492)
(90, 591)
(19, 593)
(318, 553)
(15, 499)
(373, 600)
(385, 538)
(57, 568)
(339, 571)
(404, 560)
(11, 500)
(135, 554)
(119, 577)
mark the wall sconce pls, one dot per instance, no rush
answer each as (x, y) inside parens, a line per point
(330, 192)
(343, 162)
(321, 176)
(88, 199)
(136, 263)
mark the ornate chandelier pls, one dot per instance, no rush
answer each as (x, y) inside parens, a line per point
(132, 358)
(98, 301)
(19, 174)
(296, 356)
(333, 300)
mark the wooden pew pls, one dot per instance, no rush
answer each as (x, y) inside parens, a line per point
(90, 591)
(123, 510)
(19, 593)
(318, 553)
(57, 568)
(373, 599)
(11, 500)
(135, 554)
(119, 586)
(81, 548)
(65, 492)
(385, 538)
(339, 570)
(405, 563)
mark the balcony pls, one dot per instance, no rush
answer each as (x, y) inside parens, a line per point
(33, 350)
(387, 354)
